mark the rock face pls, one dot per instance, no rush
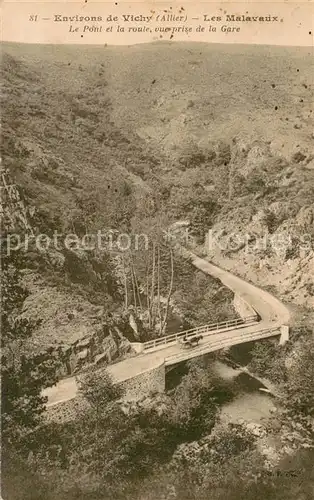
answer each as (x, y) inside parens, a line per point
(291, 275)
(267, 235)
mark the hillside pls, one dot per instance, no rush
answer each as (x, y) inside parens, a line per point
(78, 172)
(171, 93)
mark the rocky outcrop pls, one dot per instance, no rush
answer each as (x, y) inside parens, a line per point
(273, 248)
(94, 350)
(81, 333)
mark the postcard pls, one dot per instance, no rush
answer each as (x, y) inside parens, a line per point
(157, 243)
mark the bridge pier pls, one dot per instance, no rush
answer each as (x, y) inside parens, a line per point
(138, 347)
(284, 334)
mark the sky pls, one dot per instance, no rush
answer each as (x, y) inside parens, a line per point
(34, 22)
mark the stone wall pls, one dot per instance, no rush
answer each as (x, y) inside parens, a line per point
(144, 384)
(243, 308)
(66, 410)
(148, 382)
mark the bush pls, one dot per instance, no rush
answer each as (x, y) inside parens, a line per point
(99, 389)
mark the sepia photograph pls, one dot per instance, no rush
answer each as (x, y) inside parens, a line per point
(157, 251)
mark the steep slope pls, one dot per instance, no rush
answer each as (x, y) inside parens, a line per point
(98, 136)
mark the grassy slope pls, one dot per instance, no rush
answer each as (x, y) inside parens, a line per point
(231, 87)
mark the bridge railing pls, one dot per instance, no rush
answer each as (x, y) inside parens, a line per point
(220, 344)
(200, 330)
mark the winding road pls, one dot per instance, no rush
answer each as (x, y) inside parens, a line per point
(273, 315)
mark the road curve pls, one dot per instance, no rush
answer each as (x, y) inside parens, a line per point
(271, 311)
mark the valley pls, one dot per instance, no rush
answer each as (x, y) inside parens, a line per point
(128, 142)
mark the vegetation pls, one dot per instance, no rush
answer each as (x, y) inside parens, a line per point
(144, 450)
(268, 361)
(299, 386)
(110, 447)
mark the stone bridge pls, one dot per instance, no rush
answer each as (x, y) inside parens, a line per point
(262, 316)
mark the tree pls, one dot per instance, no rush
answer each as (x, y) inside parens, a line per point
(194, 407)
(148, 270)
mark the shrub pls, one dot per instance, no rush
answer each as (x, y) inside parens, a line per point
(99, 389)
